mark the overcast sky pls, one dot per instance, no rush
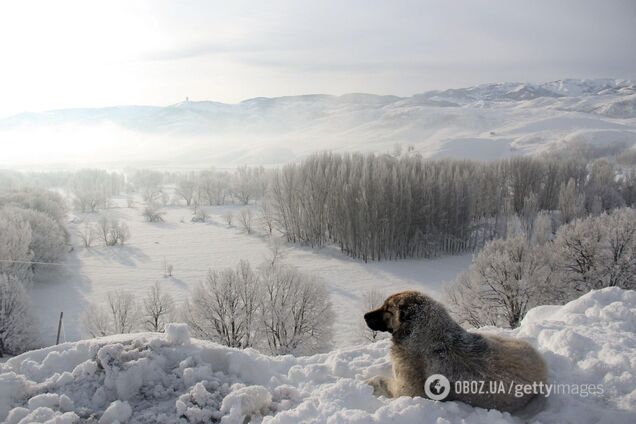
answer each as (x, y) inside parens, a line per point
(60, 54)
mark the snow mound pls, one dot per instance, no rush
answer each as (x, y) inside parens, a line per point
(168, 378)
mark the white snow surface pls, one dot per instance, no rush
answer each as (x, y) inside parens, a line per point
(169, 378)
(88, 275)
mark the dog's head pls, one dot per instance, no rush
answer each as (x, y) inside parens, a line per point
(396, 312)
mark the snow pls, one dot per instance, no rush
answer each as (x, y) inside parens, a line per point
(275, 131)
(193, 248)
(160, 378)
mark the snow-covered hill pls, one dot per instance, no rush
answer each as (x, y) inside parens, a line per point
(485, 122)
(170, 378)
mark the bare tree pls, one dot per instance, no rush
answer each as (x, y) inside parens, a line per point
(87, 233)
(97, 321)
(267, 216)
(297, 314)
(124, 311)
(158, 308)
(245, 218)
(223, 308)
(122, 232)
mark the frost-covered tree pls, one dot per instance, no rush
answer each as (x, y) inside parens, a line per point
(224, 307)
(15, 240)
(87, 233)
(152, 213)
(245, 219)
(571, 202)
(112, 231)
(45, 201)
(506, 279)
(17, 326)
(93, 189)
(186, 189)
(296, 312)
(158, 308)
(596, 252)
(48, 240)
(148, 183)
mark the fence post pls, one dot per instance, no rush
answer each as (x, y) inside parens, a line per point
(59, 328)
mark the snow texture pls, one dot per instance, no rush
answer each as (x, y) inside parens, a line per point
(168, 378)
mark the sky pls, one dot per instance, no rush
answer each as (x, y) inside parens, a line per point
(65, 54)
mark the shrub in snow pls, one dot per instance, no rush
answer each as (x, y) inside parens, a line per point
(199, 215)
(112, 231)
(152, 213)
(17, 327)
(228, 217)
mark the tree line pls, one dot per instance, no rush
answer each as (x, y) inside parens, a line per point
(377, 207)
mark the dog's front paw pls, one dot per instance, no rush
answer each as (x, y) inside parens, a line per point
(380, 386)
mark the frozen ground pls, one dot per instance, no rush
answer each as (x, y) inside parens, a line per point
(192, 248)
(168, 378)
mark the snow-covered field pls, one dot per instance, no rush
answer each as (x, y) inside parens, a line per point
(193, 248)
(166, 378)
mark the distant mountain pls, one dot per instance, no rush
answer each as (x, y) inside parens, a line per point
(485, 122)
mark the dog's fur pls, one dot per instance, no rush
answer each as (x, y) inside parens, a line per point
(427, 341)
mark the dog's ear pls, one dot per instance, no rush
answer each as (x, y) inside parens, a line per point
(406, 312)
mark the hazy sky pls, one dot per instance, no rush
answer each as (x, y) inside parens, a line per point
(59, 54)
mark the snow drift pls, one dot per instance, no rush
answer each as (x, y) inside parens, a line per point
(166, 378)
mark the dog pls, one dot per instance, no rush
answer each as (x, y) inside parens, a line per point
(427, 341)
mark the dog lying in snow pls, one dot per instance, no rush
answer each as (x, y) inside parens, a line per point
(427, 341)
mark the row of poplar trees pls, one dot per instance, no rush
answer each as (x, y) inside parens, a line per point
(377, 207)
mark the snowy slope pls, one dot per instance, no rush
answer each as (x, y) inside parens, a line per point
(157, 378)
(505, 119)
(89, 274)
